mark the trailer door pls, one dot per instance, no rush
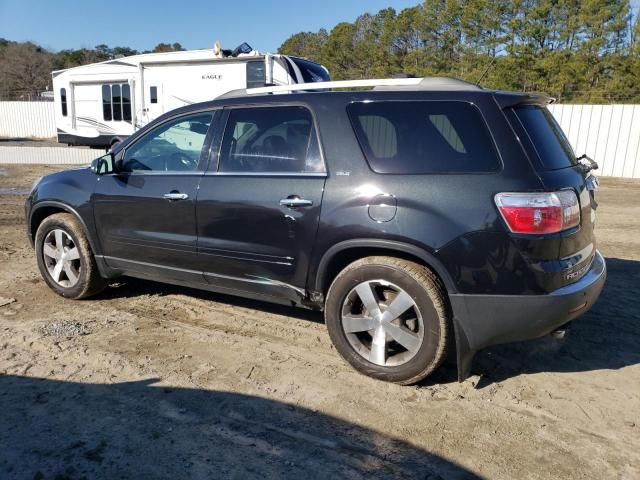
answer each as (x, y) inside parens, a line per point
(153, 95)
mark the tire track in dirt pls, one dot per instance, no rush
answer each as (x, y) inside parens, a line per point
(534, 410)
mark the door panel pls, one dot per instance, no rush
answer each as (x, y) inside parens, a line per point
(246, 234)
(136, 223)
(258, 214)
(145, 213)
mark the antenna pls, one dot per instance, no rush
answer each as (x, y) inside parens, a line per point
(486, 70)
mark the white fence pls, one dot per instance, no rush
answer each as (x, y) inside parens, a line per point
(48, 155)
(610, 134)
(27, 120)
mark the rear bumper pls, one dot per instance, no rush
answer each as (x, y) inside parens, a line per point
(484, 320)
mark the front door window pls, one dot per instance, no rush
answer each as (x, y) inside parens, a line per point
(174, 146)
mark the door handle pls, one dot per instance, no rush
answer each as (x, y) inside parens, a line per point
(175, 196)
(294, 201)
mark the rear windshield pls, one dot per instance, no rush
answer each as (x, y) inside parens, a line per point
(547, 138)
(404, 137)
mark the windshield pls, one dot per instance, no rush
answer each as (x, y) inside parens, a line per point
(547, 137)
(311, 72)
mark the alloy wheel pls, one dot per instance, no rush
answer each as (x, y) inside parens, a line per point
(62, 258)
(382, 323)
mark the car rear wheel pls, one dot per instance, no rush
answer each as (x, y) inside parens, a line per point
(388, 318)
(65, 259)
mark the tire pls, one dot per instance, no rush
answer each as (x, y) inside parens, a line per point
(78, 276)
(414, 342)
(114, 143)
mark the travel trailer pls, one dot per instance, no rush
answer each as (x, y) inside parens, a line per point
(101, 104)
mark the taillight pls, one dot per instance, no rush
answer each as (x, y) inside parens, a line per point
(539, 213)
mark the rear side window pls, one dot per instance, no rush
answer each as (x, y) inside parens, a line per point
(423, 137)
(547, 138)
(270, 139)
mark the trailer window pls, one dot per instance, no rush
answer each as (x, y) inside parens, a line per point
(153, 94)
(126, 103)
(256, 76)
(116, 101)
(106, 102)
(63, 101)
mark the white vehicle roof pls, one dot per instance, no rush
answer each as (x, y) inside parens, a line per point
(186, 56)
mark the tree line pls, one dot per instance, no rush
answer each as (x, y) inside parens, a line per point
(574, 50)
(25, 67)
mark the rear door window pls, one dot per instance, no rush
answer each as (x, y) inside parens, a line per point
(548, 141)
(270, 139)
(422, 137)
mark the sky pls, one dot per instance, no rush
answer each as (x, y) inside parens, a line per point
(142, 24)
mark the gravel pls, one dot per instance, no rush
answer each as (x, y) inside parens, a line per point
(64, 328)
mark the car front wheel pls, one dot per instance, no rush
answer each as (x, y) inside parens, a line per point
(65, 258)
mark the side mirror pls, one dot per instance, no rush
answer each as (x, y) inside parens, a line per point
(103, 165)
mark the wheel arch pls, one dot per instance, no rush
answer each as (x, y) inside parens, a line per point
(341, 254)
(45, 209)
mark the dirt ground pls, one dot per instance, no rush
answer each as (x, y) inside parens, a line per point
(155, 381)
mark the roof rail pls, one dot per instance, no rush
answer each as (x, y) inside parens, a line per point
(339, 84)
(238, 92)
(427, 83)
(440, 83)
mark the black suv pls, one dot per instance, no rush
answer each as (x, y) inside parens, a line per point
(413, 213)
